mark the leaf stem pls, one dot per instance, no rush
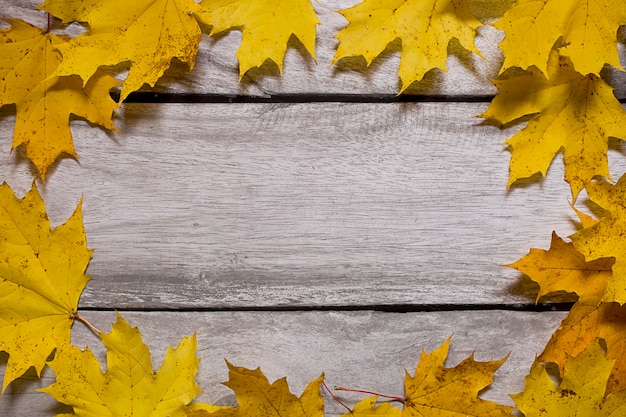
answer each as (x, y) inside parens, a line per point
(86, 322)
(391, 397)
(49, 23)
(335, 397)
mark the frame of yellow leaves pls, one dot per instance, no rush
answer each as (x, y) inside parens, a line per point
(556, 82)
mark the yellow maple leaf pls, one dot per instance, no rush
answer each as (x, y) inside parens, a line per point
(129, 387)
(580, 393)
(257, 397)
(266, 26)
(41, 279)
(146, 33)
(204, 409)
(425, 28)
(45, 102)
(368, 407)
(572, 113)
(585, 219)
(437, 391)
(564, 269)
(585, 323)
(606, 238)
(587, 29)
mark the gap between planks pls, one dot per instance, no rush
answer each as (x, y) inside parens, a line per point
(304, 98)
(356, 349)
(383, 308)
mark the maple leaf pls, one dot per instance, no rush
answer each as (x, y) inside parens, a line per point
(266, 27)
(424, 27)
(368, 407)
(572, 113)
(41, 279)
(587, 29)
(585, 219)
(585, 323)
(146, 33)
(257, 397)
(580, 393)
(564, 269)
(45, 102)
(437, 391)
(204, 409)
(129, 387)
(605, 238)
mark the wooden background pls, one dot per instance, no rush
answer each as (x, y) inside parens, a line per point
(314, 222)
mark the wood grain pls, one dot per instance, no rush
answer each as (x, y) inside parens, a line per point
(307, 206)
(274, 205)
(355, 349)
(216, 71)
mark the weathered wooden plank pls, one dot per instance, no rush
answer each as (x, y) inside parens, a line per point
(216, 70)
(356, 349)
(239, 205)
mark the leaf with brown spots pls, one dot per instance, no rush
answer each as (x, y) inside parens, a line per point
(584, 324)
(437, 391)
(42, 274)
(257, 397)
(425, 28)
(563, 269)
(571, 113)
(367, 407)
(606, 237)
(148, 34)
(580, 393)
(129, 387)
(44, 101)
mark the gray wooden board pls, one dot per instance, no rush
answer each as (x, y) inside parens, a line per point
(216, 70)
(306, 205)
(238, 205)
(367, 350)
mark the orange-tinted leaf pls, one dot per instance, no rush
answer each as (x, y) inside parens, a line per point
(580, 393)
(583, 325)
(606, 238)
(585, 219)
(257, 397)
(563, 269)
(437, 391)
